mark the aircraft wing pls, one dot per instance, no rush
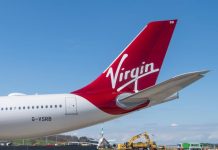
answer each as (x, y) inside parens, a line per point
(162, 92)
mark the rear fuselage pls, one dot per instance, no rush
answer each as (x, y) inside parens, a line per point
(135, 69)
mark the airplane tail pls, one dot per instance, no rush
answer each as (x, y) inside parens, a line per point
(136, 68)
(138, 65)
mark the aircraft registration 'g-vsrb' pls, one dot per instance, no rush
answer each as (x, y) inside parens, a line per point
(128, 84)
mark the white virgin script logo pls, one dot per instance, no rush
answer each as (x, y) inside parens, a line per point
(134, 74)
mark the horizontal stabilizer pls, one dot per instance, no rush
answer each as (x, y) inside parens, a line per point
(160, 93)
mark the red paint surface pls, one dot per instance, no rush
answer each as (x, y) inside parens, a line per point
(149, 46)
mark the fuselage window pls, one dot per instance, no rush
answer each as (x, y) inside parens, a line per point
(28, 107)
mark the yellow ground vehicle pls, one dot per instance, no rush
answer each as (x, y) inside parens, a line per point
(130, 145)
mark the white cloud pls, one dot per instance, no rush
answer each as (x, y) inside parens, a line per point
(213, 136)
(174, 125)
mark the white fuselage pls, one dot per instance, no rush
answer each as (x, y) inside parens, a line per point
(40, 115)
(127, 85)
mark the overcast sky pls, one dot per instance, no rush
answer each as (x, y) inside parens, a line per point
(59, 46)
